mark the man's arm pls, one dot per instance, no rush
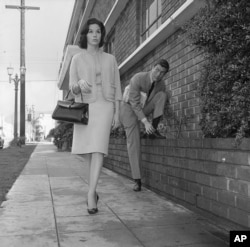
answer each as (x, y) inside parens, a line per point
(135, 97)
(135, 101)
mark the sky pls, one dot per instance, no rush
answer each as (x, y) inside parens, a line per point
(45, 34)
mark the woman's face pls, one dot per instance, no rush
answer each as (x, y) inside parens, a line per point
(94, 35)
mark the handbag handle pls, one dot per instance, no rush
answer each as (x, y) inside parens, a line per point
(67, 95)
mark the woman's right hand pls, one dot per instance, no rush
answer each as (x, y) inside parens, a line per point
(76, 89)
(85, 86)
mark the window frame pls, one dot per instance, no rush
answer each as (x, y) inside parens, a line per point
(144, 34)
(110, 43)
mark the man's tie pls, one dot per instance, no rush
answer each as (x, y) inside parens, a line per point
(151, 89)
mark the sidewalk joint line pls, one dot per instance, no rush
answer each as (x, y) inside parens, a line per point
(125, 225)
(52, 199)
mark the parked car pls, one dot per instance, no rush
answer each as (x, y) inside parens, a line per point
(1, 142)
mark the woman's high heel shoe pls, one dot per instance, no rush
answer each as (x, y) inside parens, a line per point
(93, 210)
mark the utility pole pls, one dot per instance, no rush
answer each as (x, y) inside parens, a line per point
(22, 8)
(16, 81)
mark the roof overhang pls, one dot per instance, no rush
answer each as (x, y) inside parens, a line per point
(63, 81)
(174, 22)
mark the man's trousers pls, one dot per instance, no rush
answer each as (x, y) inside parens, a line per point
(132, 128)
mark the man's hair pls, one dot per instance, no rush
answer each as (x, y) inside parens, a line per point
(164, 63)
(83, 38)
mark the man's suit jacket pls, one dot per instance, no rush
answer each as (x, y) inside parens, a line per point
(141, 82)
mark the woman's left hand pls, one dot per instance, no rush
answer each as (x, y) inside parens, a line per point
(116, 121)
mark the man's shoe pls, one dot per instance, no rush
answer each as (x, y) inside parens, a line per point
(137, 186)
(156, 135)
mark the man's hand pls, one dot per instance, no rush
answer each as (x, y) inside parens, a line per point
(148, 127)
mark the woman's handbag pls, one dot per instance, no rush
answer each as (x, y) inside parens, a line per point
(71, 111)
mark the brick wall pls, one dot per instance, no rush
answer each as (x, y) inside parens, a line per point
(181, 81)
(127, 31)
(209, 174)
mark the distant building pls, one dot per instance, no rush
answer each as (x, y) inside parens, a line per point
(6, 129)
(139, 32)
(42, 126)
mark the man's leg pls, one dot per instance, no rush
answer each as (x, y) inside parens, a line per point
(132, 129)
(134, 149)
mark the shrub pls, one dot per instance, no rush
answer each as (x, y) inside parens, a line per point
(222, 31)
(61, 133)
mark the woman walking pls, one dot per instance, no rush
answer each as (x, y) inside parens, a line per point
(95, 79)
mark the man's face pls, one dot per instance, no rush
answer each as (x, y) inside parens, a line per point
(158, 72)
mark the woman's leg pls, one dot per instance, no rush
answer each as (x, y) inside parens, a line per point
(95, 170)
(87, 159)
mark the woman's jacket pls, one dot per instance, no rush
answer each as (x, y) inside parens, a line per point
(83, 66)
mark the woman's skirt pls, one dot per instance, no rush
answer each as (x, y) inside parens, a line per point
(94, 137)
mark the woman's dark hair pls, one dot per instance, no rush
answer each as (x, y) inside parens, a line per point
(83, 38)
(164, 63)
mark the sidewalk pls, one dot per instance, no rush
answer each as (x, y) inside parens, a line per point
(46, 207)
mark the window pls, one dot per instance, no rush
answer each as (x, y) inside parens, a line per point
(150, 17)
(110, 44)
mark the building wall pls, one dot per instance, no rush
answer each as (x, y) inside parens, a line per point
(127, 31)
(207, 174)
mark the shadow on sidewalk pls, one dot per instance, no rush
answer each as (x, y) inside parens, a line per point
(12, 161)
